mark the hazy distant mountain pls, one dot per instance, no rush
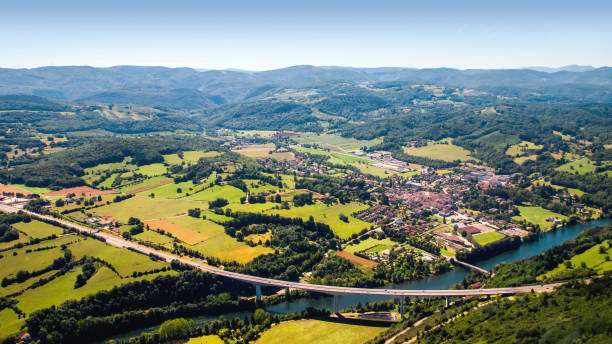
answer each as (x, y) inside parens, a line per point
(568, 68)
(186, 88)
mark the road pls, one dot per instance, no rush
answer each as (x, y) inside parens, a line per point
(260, 281)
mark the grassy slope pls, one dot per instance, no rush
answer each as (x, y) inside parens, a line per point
(230, 193)
(600, 262)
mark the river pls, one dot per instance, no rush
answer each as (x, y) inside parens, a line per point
(443, 281)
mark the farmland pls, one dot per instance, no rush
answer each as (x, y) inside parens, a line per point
(538, 216)
(37, 229)
(370, 244)
(319, 331)
(188, 157)
(230, 193)
(146, 208)
(329, 215)
(440, 151)
(484, 239)
(210, 239)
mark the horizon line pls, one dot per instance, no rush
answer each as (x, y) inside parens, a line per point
(235, 69)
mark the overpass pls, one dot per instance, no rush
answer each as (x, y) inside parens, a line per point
(258, 282)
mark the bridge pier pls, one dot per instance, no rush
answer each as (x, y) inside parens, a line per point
(447, 303)
(257, 292)
(402, 307)
(336, 310)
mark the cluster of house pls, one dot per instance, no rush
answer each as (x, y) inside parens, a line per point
(420, 201)
(488, 179)
(106, 223)
(378, 214)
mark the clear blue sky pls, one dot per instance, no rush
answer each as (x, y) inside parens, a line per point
(263, 34)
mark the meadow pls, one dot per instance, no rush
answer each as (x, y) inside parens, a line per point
(319, 331)
(146, 184)
(228, 192)
(37, 229)
(581, 166)
(484, 239)
(329, 215)
(521, 148)
(538, 216)
(439, 151)
(188, 157)
(336, 142)
(215, 243)
(370, 244)
(592, 258)
(146, 208)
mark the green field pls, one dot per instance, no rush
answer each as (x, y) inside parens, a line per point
(146, 208)
(171, 190)
(438, 151)
(188, 157)
(9, 323)
(108, 182)
(487, 238)
(538, 215)
(62, 289)
(498, 140)
(124, 261)
(520, 148)
(335, 142)
(230, 193)
(581, 166)
(32, 189)
(523, 159)
(329, 215)
(592, 258)
(251, 207)
(144, 183)
(152, 169)
(37, 229)
(219, 244)
(256, 186)
(371, 245)
(319, 331)
(27, 261)
(153, 237)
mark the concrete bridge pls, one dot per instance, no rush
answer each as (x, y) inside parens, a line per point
(258, 282)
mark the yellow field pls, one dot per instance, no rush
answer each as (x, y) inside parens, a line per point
(185, 235)
(218, 244)
(319, 331)
(437, 151)
(329, 215)
(146, 208)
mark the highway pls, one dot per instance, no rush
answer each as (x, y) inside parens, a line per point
(260, 281)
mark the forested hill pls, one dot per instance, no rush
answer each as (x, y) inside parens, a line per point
(134, 84)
